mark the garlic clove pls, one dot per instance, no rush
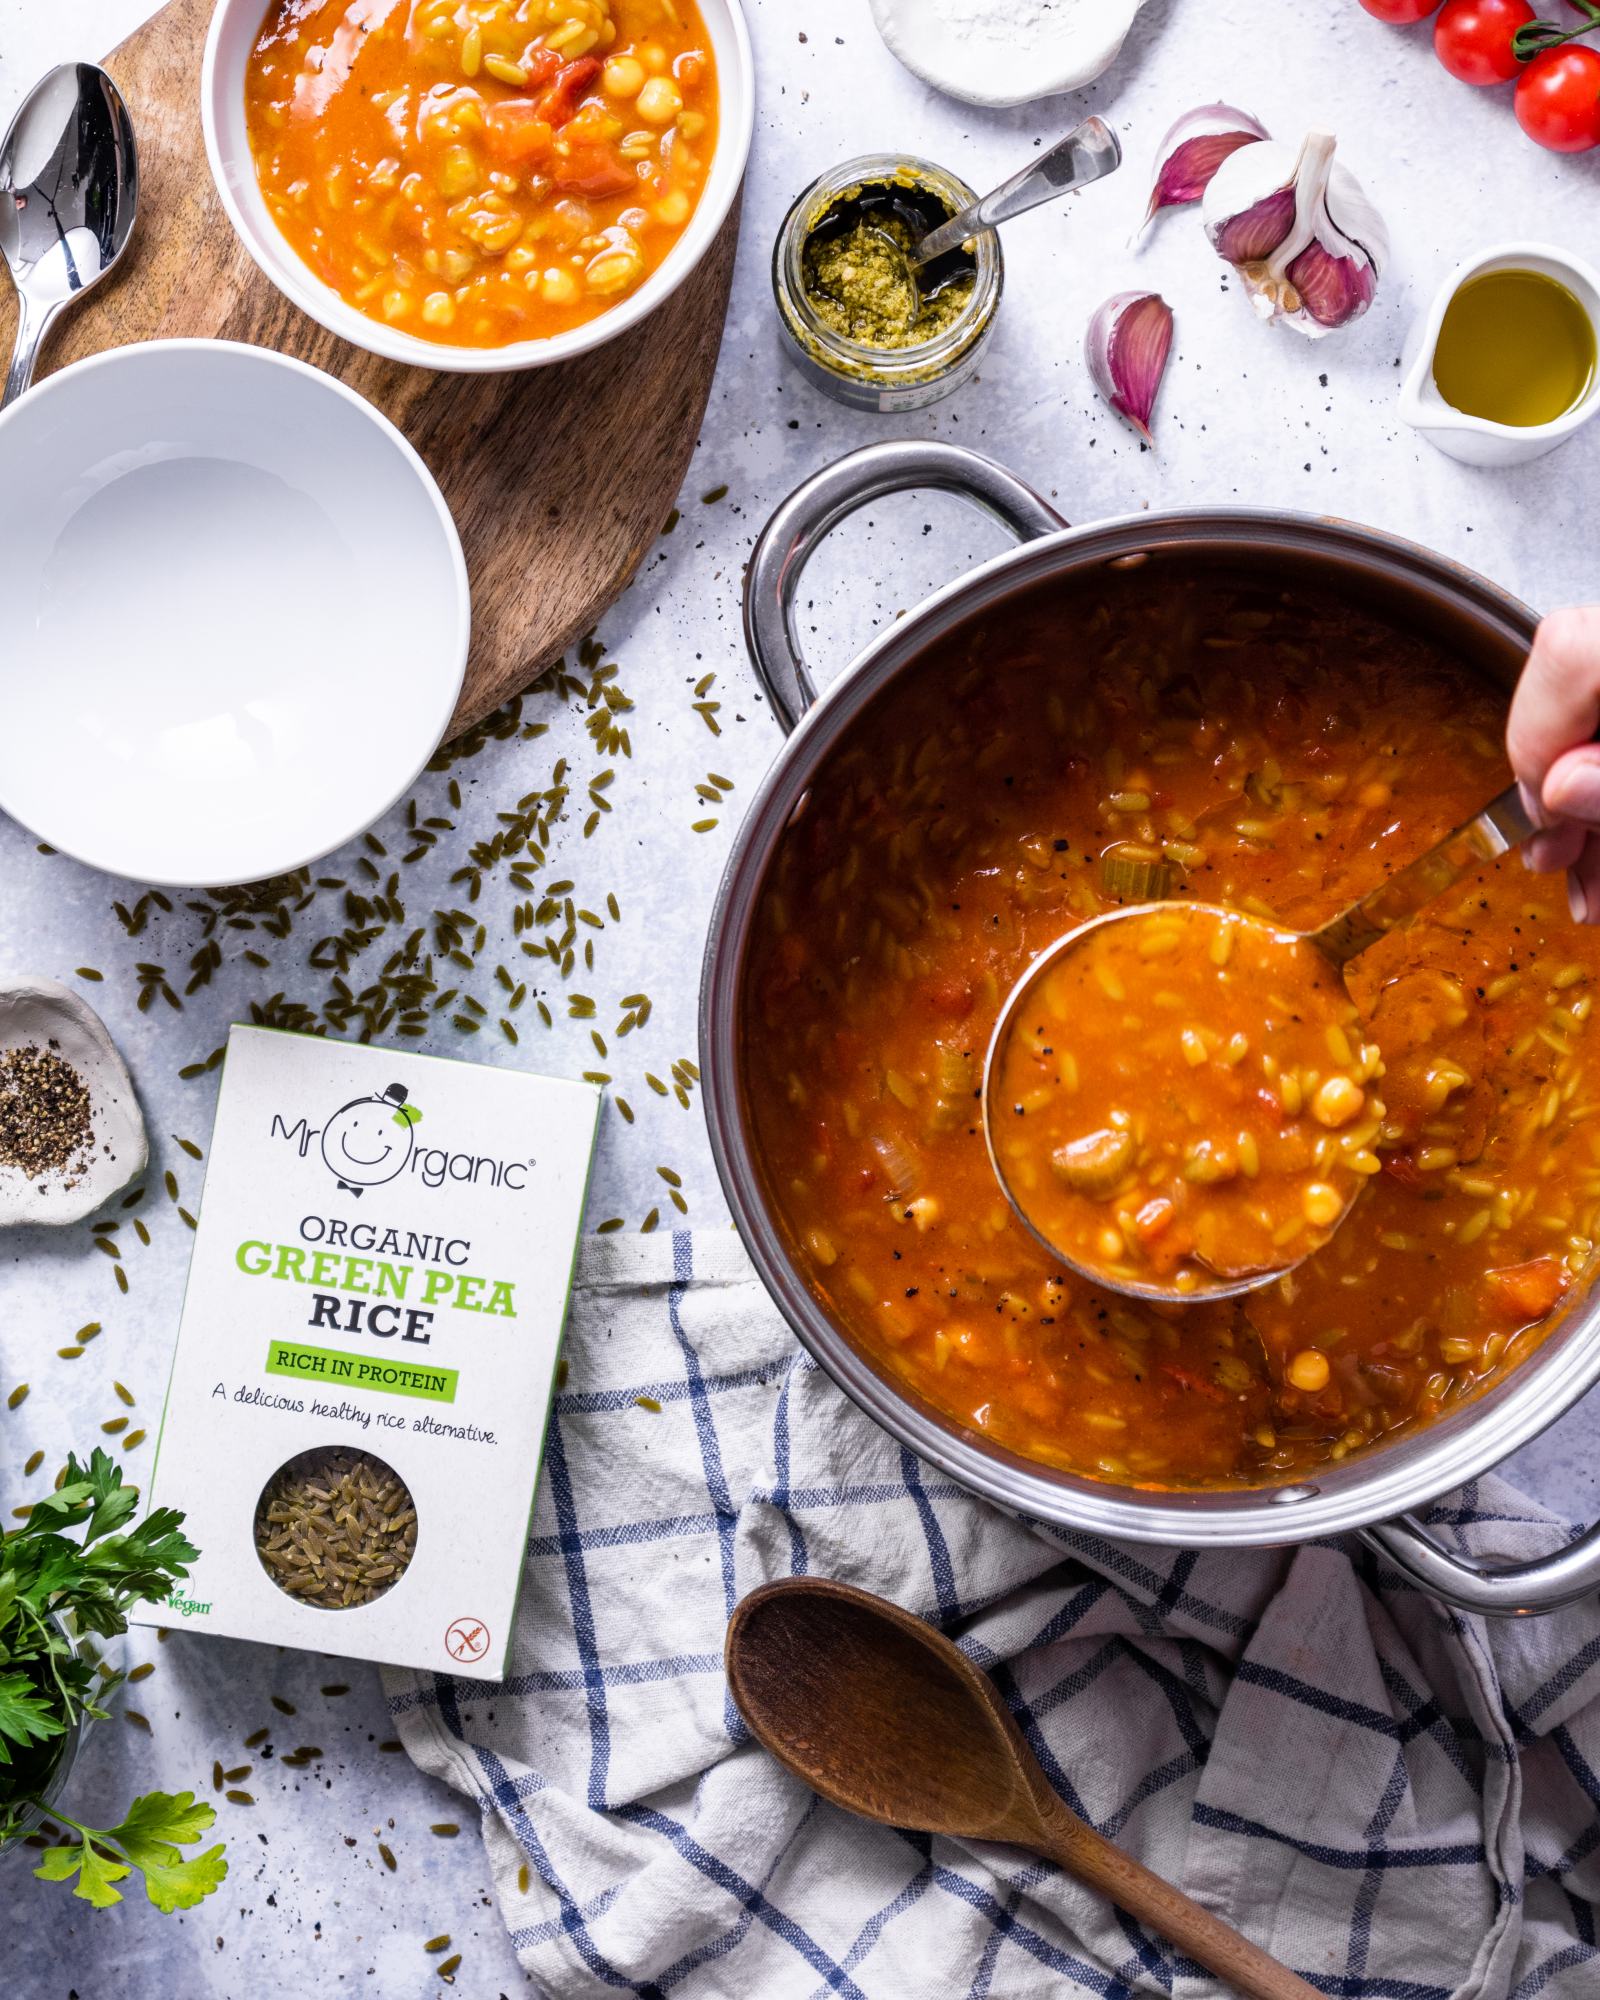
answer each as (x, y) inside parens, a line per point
(1193, 150)
(1257, 231)
(1301, 232)
(1333, 290)
(1127, 345)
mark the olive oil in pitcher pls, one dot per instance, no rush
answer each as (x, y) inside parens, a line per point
(1515, 347)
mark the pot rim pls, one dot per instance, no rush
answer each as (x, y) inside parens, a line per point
(1388, 1480)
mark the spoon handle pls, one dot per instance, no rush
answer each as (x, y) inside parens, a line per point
(32, 326)
(1504, 822)
(1245, 1967)
(1088, 153)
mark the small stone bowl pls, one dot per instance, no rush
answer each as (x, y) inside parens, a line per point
(50, 1016)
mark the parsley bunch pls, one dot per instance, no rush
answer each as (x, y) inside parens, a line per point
(47, 1682)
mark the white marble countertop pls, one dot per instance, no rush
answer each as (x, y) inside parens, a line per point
(1246, 415)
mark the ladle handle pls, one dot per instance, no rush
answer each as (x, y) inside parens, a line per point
(1244, 1967)
(1504, 822)
(817, 506)
(1088, 153)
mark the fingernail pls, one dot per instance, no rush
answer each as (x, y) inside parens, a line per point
(1577, 899)
(1579, 794)
(1530, 803)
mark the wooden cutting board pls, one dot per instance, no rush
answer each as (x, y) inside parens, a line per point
(559, 478)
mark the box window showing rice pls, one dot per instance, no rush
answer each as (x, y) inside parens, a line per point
(368, 1348)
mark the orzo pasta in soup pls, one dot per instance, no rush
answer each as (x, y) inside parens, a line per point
(481, 172)
(1222, 739)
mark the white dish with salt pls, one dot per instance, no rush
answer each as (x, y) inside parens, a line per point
(1000, 52)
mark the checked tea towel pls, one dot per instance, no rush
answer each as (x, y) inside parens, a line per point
(1399, 1802)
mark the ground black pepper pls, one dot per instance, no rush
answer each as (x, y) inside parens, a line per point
(44, 1113)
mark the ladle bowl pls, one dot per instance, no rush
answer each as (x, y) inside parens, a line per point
(1202, 1280)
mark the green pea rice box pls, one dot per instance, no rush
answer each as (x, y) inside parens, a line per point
(367, 1354)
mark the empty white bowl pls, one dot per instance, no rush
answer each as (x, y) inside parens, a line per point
(234, 612)
(235, 26)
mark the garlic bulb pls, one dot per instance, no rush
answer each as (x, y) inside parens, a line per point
(1129, 340)
(1193, 150)
(1300, 231)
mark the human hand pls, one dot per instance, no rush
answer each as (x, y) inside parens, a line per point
(1555, 713)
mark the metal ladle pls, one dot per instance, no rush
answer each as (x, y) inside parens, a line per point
(1502, 824)
(69, 194)
(1088, 153)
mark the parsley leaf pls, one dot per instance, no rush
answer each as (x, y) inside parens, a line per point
(156, 1826)
(75, 1566)
(95, 1871)
(24, 1714)
(149, 1840)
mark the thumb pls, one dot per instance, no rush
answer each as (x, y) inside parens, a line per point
(1557, 702)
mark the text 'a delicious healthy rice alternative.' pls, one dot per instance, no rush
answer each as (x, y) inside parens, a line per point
(368, 1348)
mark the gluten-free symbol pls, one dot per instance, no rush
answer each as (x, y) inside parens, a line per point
(467, 1639)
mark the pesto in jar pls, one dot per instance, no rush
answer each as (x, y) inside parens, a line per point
(860, 286)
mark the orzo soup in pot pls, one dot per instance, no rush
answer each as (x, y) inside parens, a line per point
(1273, 748)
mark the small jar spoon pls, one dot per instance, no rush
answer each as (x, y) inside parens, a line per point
(885, 1717)
(69, 195)
(1088, 153)
(1503, 823)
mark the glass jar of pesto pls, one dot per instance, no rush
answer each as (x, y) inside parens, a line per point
(850, 319)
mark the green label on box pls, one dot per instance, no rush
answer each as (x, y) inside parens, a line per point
(362, 1371)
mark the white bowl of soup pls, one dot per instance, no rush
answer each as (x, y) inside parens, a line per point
(477, 185)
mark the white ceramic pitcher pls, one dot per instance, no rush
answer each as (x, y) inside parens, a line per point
(1477, 440)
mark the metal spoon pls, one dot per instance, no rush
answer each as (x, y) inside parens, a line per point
(1503, 823)
(1088, 153)
(885, 1717)
(69, 193)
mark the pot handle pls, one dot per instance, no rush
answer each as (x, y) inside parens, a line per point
(820, 503)
(1495, 1590)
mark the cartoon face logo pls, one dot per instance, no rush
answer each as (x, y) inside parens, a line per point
(369, 1140)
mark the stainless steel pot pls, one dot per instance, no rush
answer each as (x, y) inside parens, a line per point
(1372, 1493)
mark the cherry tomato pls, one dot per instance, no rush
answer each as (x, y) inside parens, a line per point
(1401, 12)
(1472, 38)
(1558, 99)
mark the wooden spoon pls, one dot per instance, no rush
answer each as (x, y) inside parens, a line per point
(884, 1716)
